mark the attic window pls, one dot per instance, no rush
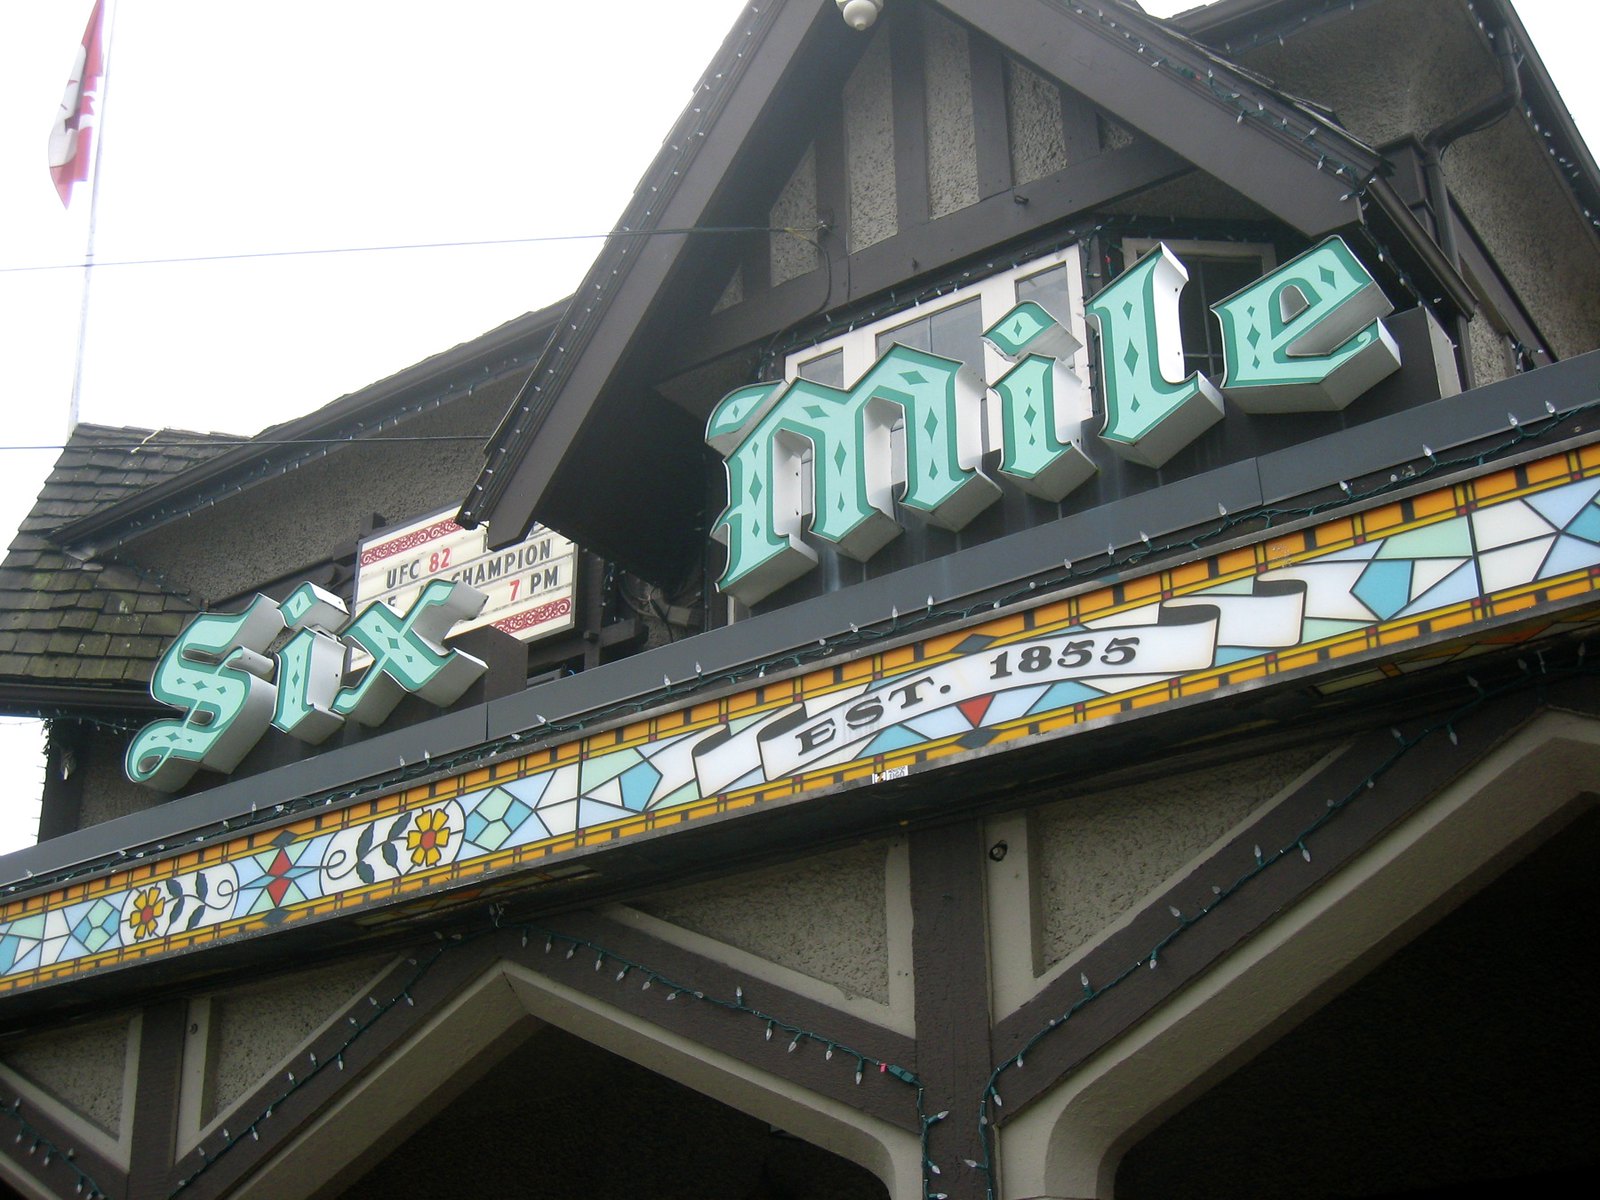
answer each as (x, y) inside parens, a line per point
(826, 369)
(1216, 271)
(952, 325)
(954, 332)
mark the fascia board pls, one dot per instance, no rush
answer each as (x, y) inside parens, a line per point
(1375, 446)
(628, 274)
(109, 522)
(1108, 66)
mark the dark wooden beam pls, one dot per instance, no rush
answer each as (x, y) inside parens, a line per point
(367, 1033)
(719, 1026)
(1102, 63)
(933, 246)
(823, 288)
(950, 967)
(162, 1033)
(1404, 786)
(1080, 126)
(990, 127)
(22, 1122)
(906, 73)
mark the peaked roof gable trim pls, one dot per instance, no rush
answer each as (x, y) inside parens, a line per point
(1251, 137)
(242, 461)
(756, 51)
(1280, 154)
(1242, 25)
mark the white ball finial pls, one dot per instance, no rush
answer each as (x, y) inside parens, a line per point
(860, 14)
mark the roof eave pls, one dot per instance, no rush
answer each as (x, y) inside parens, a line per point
(109, 525)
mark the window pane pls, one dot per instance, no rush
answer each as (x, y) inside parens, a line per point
(1048, 289)
(913, 333)
(1210, 280)
(827, 369)
(954, 332)
(958, 332)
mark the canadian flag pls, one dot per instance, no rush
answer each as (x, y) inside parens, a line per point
(72, 135)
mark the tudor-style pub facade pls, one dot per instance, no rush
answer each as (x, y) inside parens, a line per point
(1024, 633)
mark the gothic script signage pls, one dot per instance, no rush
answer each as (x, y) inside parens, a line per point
(1505, 556)
(804, 458)
(231, 689)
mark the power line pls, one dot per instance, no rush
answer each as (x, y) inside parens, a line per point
(803, 234)
(223, 443)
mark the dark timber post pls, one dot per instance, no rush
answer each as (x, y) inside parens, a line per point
(950, 955)
(155, 1101)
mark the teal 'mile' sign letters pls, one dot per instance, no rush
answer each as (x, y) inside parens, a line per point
(804, 457)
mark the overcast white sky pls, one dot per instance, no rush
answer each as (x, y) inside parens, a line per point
(315, 124)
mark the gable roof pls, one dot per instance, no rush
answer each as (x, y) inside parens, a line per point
(242, 461)
(557, 457)
(81, 627)
(1236, 26)
(95, 627)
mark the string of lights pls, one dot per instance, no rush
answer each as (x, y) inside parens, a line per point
(1537, 674)
(916, 616)
(658, 187)
(1297, 846)
(773, 1028)
(294, 1082)
(83, 1183)
(1279, 33)
(1312, 133)
(303, 451)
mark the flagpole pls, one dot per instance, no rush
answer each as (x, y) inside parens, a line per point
(109, 19)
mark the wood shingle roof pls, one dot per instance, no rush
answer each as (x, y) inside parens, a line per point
(68, 621)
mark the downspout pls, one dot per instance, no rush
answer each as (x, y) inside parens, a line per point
(1479, 117)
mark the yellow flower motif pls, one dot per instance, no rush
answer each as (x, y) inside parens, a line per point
(428, 839)
(147, 909)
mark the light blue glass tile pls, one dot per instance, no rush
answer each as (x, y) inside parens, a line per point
(1062, 695)
(1586, 524)
(897, 737)
(942, 722)
(1384, 587)
(1458, 586)
(1444, 539)
(1227, 655)
(530, 790)
(530, 829)
(686, 794)
(29, 959)
(493, 820)
(1017, 702)
(1359, 553)
(1560, 505)
(1231, 587)
(595, 771)
(638, 785)
(593, 812)
(60, 949)
(1569, 554)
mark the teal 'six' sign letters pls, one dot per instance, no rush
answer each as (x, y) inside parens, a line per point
(220, 673)
(1306, 337)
